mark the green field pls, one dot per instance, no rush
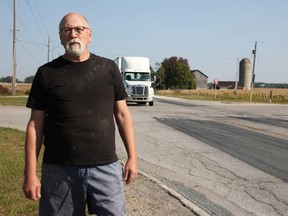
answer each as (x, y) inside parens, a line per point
(12, 199)
(14, 101)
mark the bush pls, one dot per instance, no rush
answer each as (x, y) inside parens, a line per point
(4, 91)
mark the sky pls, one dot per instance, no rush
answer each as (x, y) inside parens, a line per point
(212, 35)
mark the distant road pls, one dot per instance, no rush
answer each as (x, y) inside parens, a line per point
(14, 116)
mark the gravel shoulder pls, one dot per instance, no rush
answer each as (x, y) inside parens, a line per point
(146, 197)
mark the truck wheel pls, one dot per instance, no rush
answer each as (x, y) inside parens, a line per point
(151, 103)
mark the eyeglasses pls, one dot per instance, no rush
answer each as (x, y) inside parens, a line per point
(68, 30)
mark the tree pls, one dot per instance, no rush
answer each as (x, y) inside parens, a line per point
(176, 73)
(8, 79)
(160, 74)
(29, 79)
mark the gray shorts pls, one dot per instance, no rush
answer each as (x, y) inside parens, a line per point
(67, 189)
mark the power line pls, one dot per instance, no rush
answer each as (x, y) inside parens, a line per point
(7, 31)
(29, 6)
(19, 20)
(41, 18)
(38, 44)
(28, 52)
(4, 28)
(4, 41)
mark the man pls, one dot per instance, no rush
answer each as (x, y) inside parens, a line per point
(73, 102)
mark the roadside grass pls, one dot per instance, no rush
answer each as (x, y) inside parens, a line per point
(13, 100)
(12, 199)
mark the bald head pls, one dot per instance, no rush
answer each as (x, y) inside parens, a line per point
(75, 17)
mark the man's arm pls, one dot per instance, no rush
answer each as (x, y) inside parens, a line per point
(33, 143)
(126, 130)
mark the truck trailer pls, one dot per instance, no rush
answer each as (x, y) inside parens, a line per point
(137, 79)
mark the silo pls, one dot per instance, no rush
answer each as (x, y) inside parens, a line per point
(245, 75)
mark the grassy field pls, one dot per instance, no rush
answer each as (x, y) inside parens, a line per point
(22, 91)
(15, 101)
(258, 96)
(12, 200)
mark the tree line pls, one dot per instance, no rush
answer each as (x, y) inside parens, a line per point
(270, 85)
(9, 79)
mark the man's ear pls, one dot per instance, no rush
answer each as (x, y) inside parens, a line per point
(90, 34)
(60, 38)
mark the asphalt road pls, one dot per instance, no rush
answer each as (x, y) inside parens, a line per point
(227, 158)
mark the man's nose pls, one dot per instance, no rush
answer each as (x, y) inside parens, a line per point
(73, 33)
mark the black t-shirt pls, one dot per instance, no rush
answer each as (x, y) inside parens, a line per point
(78, 98)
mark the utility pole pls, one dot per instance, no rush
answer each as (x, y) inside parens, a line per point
(49, 41)
(253, 71)
(236, 79)
(14, 51)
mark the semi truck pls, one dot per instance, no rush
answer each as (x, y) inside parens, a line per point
(137, 79)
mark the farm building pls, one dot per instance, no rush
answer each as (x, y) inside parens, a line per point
(201, 79)
(226, 84)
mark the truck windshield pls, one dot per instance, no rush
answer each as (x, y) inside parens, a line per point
(137, 76)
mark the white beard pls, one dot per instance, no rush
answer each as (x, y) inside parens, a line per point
(74, 50)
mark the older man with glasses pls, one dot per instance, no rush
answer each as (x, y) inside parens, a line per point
(74, 100)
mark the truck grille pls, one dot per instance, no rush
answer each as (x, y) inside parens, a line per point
(140, 90)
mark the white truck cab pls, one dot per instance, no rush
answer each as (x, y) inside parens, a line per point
(136, 76)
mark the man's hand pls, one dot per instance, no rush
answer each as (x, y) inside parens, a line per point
(32, 188)
(130, 171)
